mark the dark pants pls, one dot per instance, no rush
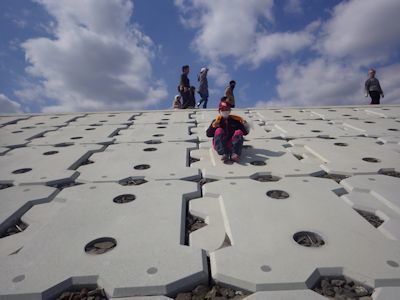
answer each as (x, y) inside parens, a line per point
(188, 100)
(224, 145)
(203, 99)
(375, 97)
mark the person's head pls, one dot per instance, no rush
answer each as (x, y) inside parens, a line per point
(232, 84)
(371, 73)
(204, 70)
(224, 108)
(177, 98)
(185, 69)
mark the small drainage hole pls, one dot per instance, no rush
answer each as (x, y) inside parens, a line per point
(152, 142)
(21, 171)
(371, 159)
(149, 149)
(258, 163)
(341, 144)
(124, 198)
(50, 152)
(308, 239)
(101, 245)
(141, 167)
(277, 194)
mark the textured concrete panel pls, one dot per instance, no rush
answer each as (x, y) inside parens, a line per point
(347, 156)
(378, 194)
(264, 157)
(112, 118)
(372, 127)
(386, 293)
(343, 113)
(269, 225)
(384, 111)
(43, 164)
(284, 114)
(286, 295)
(139, 160)
(147, 258)
(49, 120)
(165, 117)
(14, 136)
(15, 201)
(80, 135)
(172, 132)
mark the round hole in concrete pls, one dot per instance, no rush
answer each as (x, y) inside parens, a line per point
(28, 127)
(371, 159)
(54, 118)
(149, 149)
(100, 245)
(18, 278)
(158, 135)
(231, 172)
(41, 123)
(93, 187)
(161, 127)
(369, 122)
(265, 268)
(152, 142)
(104, 176)
(167, 183)
(258, 163)
(102, 121)
(50, 152)
(277, 194)
(331, 109)
(90, 128)
(371, 179)
(124, 198)
(165, 119)
(393, 129)
(305, 180)
(233, 183)
(76, 137)
(392, 263)
(277, 111)
(287, 116)
(141, 167)
(315, 130)
(18, 131)
(111, 116)
(341, 144)
(354, 168)
(346, 115)
(27, 190)
(171, 174)
(300, 123)
(44, 177)
(152, 270)
(385, 108)
(325, 137)
(21, 171)
(308, 239)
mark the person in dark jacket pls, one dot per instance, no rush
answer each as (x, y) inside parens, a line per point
(227, 131)
(184, 89)
(203, 87)
(373, 88)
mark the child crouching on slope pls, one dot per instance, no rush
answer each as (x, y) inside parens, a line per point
(227, 131)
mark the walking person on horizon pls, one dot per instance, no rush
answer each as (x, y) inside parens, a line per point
(184, 89)
(229, 93)
(373, 87)
(203, 87)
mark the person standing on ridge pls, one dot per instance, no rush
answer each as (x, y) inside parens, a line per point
(184, 89)
(373, 88)
(229, 93)
(227, 131)
(203, 87)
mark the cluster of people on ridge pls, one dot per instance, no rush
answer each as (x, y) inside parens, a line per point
(187, 93)
(227, 130)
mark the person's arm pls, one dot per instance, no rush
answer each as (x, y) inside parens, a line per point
(243, 128)
(366, 89)
(211, 129)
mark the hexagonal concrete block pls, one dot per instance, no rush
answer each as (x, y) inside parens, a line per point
(372, 127)
(265, 157)
(111, 118)
(139, 160)
(387, 111)
(283, 232)
(347, 156)
(172, 132)
(44, 164)
(126, 239)
(378, 194)
(165, 117)
(14, 136)
(340, 113)
(59, 120)
(80, 135)
(284, 114)
(286, 295)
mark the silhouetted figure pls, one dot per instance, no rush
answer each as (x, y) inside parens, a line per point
(203, 87)
(229, 93)
(373, 88)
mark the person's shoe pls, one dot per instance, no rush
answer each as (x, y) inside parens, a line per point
(198, 105)
(235, 157)
(224, 157)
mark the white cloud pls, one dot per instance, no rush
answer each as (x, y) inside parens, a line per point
(390, 82)
(97, 60)
(293, 7)
(8, 106)
(365, 30)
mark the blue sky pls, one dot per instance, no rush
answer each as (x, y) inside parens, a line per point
(95, 55)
